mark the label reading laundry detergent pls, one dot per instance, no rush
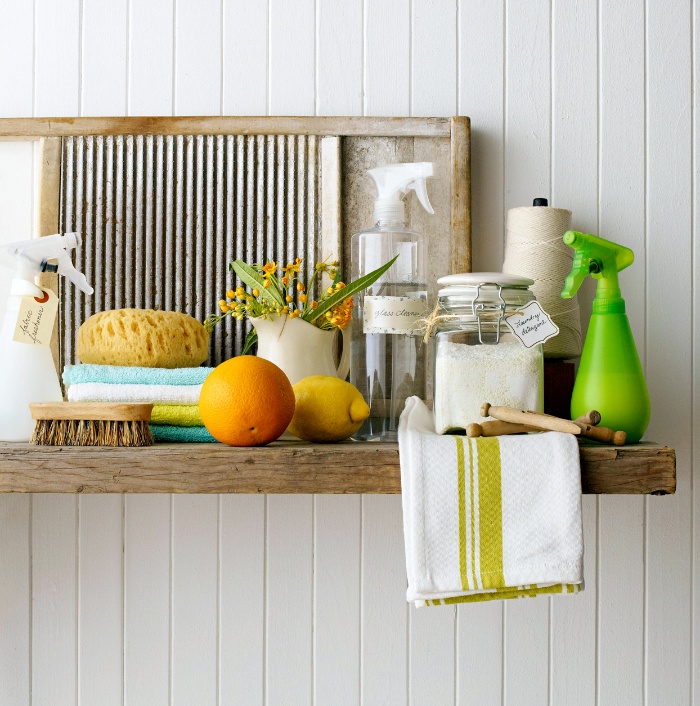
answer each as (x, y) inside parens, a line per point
(400, 315)
(36, 319)
(532, 325)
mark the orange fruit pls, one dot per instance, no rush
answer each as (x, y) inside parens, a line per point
(246, 401)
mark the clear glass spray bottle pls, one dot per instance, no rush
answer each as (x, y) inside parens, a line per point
(387, 363)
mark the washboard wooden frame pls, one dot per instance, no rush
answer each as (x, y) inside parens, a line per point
(321, 160)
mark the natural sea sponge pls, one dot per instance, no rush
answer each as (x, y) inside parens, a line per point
(143, 337)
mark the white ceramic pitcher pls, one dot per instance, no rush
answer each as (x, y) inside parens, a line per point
(300, 348)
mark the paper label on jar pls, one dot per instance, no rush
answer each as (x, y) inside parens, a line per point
(401, 315)
(36, 319)
(532, 325)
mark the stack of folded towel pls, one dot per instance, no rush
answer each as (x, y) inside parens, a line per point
(488, 518)
(173, 392)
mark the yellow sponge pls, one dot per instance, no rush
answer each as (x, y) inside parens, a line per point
(144, 338)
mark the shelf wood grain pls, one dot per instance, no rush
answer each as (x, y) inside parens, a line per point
(283, 467)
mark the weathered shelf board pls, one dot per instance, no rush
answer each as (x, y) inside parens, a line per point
(283, 467)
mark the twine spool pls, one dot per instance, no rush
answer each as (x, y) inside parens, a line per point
(535, 249)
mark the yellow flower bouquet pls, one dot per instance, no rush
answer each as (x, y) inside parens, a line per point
(274, 291)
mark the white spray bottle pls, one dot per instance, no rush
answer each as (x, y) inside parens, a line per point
(27, 370)
(387, 362)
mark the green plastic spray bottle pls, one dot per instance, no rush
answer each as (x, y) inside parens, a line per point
(610, 377)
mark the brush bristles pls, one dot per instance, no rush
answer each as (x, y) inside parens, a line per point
(82, 432)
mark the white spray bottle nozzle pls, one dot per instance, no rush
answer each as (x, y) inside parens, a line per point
(394, 180)
(32, 258)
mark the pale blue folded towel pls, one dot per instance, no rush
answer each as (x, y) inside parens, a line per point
(181, 435)
(122, 375)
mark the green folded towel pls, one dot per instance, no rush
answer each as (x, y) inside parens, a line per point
(181, 435)
(178, 415)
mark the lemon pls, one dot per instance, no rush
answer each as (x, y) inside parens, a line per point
(327, 409)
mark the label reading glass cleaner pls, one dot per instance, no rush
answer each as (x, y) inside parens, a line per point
(36, 318)
(401, 315)
(532, 325)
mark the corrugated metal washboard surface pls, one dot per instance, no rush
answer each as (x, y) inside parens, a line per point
(163, 216)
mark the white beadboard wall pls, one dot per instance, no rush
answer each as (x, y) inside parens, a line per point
(294, 600)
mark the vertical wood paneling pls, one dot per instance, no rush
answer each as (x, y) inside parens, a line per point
(384, 621)
(432, 655)
(292, 32)
(337, 599)
(194, 613)
(527, 77)
(100, 604)
(479, 654)
(245, 49)
(17, 58)
(242, 600)
(15, 600)
(150, 57)
(433, 58)
(104, 51)
(669, 340)
(289, 600)
(197, 57)
(54, 599)
(57, 43)
(480, 94)
(573, 637)
(147, 607)
(622, 205)
(387, 57)
(339, 63)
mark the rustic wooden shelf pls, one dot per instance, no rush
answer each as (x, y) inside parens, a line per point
(283, 467)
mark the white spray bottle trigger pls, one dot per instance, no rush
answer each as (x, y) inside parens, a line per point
(32, 256)
(392, 181)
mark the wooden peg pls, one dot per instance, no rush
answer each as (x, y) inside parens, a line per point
(497, 428)
(591, 418)
(603, 434)
(533, 419)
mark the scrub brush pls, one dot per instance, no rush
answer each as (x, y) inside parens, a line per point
(91, 424)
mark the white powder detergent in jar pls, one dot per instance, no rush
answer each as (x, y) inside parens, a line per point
(477, 357)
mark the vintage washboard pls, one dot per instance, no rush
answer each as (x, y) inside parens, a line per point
(164, 204)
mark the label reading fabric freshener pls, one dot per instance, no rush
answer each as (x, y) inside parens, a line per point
(532, 325)
(401, 315)
(36, 319)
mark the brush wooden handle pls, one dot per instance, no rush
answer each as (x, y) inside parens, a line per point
(533, 419)
(497, 428)
(96, 411)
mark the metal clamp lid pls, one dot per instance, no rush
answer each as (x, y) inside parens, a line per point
(480, 309)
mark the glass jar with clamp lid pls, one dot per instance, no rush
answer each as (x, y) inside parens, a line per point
(477, 357)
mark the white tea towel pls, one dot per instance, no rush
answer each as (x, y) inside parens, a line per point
(488, 518)
(158, 394)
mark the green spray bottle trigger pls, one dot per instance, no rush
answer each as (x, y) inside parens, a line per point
(602, 259)
(610, 376)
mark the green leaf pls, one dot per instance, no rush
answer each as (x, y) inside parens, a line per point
(250, 340)
(248, 275)
(336, 279)
(357, 286)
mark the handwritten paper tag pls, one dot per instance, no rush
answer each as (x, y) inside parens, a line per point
(532, 325)
(393, 314)
(36, 318)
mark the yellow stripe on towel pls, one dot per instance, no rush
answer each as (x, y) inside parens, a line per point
(178, 415)
(490, 512)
